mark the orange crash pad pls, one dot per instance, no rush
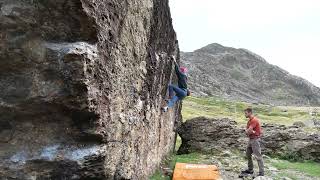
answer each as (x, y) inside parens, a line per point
(183, 171)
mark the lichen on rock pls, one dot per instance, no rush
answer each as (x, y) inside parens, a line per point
(82, 83)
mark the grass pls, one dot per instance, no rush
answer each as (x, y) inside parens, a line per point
(217, 108)
(307, 167)
(184, 158)
(159, 176)
(283, 174)
(189, 158)
(214, 107)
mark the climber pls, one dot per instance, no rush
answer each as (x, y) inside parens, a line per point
(253, 131)
(181, 91)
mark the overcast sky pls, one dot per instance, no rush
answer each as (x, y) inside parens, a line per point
(284, 32)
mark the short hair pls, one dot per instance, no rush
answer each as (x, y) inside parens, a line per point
(249, 110)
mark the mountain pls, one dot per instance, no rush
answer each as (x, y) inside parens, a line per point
(239, 74)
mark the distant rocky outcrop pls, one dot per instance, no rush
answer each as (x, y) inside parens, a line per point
(82, 83)
(239, 74)
(207, 135)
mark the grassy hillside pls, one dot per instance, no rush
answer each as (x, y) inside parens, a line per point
(217, 108)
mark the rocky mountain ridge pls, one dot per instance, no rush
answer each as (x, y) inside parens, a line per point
(239, 74)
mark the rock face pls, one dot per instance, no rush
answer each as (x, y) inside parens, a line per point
(239, 74)
(203, 134)
(82, 83)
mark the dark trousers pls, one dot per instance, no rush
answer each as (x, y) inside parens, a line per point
(255, 149)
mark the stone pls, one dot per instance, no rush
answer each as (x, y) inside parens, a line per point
(299, 124)
(286, 178)
(262, 178)
(271, 168)
(167, 171)
(82, 83)
(212, 135)
(204, 134)
(226, 154)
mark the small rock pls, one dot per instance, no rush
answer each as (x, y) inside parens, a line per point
(262, 178)
(167, 171)
(299, 124)
(226, 154)
(286, 178)
(265, 156)
(271, 168)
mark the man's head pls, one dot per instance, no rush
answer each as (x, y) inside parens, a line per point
(248, 112)
(183, 70)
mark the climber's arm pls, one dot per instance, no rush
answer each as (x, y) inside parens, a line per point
(176, 66)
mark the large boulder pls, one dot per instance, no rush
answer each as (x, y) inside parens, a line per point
(82, 83)
(207, 135)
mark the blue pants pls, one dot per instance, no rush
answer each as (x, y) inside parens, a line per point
(180, 94)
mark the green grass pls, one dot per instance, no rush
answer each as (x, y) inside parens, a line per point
(159, 176)
(283, 174)
(189, 158)
(214, 107)
(309, 168)
(185, 158)
(194, 158)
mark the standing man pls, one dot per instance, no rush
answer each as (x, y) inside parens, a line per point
(253, 131)
(181, 91)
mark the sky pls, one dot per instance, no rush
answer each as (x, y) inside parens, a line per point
(284, 32)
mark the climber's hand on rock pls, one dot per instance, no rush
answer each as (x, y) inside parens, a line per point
(173, 59)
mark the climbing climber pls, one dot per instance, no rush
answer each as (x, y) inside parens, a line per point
(253, 131)
(181, 91)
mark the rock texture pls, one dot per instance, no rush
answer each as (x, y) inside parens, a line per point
(82, 83)
(239, 74)
(204, 134)
(209, 135)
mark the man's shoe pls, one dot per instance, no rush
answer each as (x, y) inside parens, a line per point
(261, 174)
(245, 173)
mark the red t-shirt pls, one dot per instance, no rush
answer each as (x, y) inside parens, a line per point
(255, 125)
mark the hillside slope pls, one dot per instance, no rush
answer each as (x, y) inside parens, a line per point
(239, 74)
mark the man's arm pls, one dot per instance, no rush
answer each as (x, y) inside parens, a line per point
(250, 129)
